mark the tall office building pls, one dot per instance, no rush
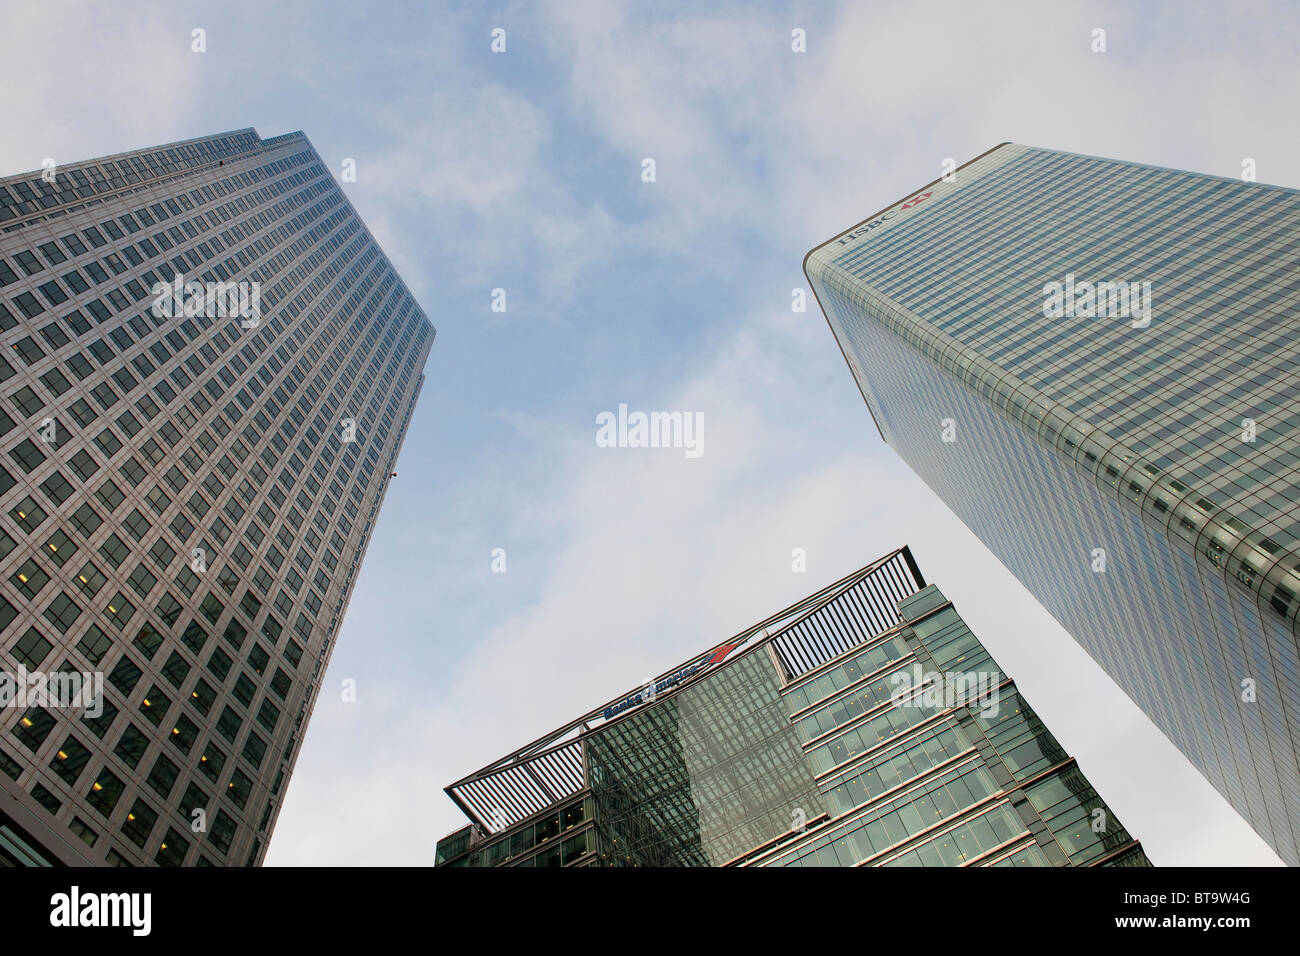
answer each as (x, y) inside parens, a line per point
(864, 725)
(1093, 363)
(188, 482)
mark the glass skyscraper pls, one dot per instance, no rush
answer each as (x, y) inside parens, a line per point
(1094, 364)
(864, 725)
(188, 483)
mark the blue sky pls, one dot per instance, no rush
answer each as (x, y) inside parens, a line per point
(522, 171)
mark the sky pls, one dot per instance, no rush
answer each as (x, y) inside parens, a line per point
(522, 171)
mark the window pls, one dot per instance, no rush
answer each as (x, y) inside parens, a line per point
(228, 580)
(31, 649)
(228, 724)
(28, 514)
(125, 675)
(235, 634)
(76, 321)
(73, 244)
(99, 725)
(29, 578)
(194, 637)
(86, 520)
(239, 788)
(57, 488)
(175, 479)
(94, 644)
(267, 715)
(104, 395)
(82, 413)
(76, 281)
(132, 746)
(136, 524)
(110, 495)
(161, 554)
(176, 669)
(105, 792)
(211, 607)
(133, 472)
(172, 850)
(197, 505)
(148, 641)
(55, 382)
(114, 550)
(70, 760)
(52, 254)
(169, 609)
(184, 733)
(155, 705)
(84, 465)
(139, 823)
(181, 527)
(119, 610)
(33, 727)
(79, 827)
(31, 308)
(53, 293)
(219, 664)
(223, 832)
(28, 261)
(26, 401)
(193, 799)
(27, 455)
(163, 776)
(90, 579)
(54, 336)
(60, 547)
(250, 605)
(129, 424)
(244, 690)
(258, 658)
(62, 612)
(158, 499)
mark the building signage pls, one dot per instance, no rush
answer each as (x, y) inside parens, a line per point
(672, 680)
(866, 227)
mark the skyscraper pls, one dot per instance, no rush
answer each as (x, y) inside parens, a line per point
(865, 724)
(1093, 363)
(208, 369)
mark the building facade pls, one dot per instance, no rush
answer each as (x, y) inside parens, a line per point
(189, 477)
(1093, 363)
(865, 725)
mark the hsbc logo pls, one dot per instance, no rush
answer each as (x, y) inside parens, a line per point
(866, 227)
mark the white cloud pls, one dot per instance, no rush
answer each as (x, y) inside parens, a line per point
(658, 558)
(56, 98)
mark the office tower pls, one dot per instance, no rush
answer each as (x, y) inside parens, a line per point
(189, 477)
(1093, 363)
(864, 725)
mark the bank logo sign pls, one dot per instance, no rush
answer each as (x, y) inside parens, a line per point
(651, 691)
(866, 227)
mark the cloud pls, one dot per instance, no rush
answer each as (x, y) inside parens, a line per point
(657, 557)
(473, 162)
(56, 110)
